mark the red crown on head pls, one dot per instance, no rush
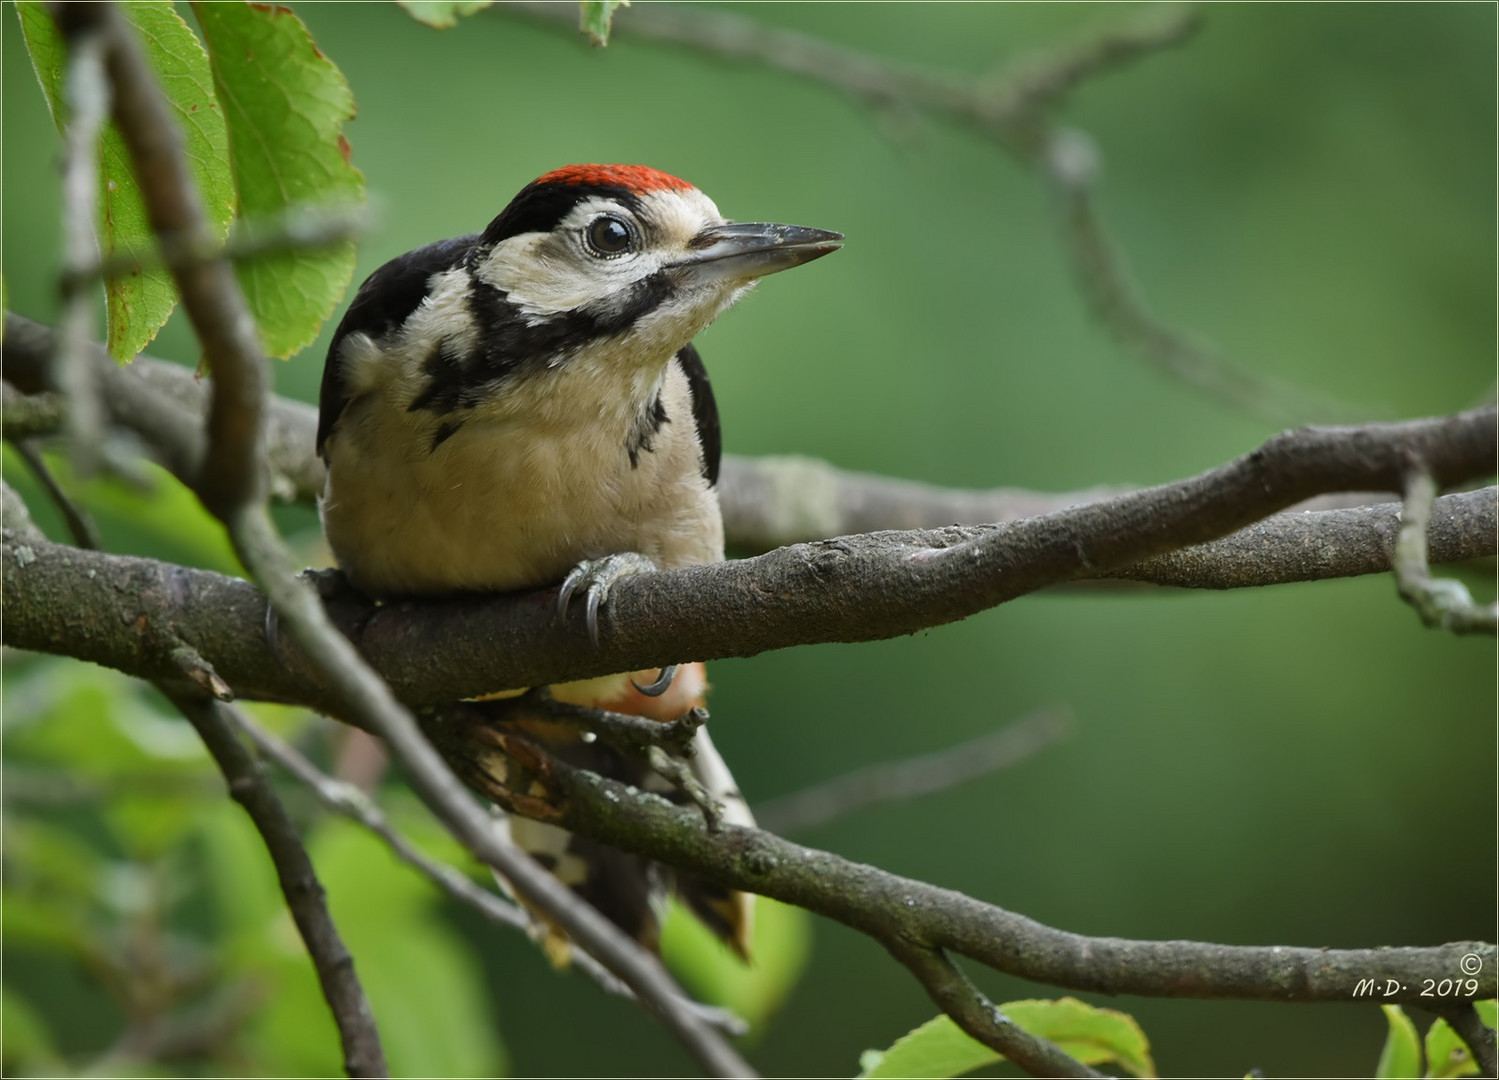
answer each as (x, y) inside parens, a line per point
(639, 179)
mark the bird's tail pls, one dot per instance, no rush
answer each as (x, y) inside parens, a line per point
(631, 891)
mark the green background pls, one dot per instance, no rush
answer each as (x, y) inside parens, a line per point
(1309, 186)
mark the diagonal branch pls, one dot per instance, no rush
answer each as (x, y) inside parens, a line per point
(350, 802)
(249, 786)
(230, 485)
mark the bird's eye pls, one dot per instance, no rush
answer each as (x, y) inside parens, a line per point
(609, 236)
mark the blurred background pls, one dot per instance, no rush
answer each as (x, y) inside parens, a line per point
(1311, 187)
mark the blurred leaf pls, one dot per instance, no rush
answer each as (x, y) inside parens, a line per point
(138, 304)
(167, 517)
(1401, 1056)
(596, 18)
(939, 1048)
(442, 13)
(753, 991)
(1446, 1054)
(427, 993)
(28, 1044)
(286, 104)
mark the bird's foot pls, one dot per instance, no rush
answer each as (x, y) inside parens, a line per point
(595, 578)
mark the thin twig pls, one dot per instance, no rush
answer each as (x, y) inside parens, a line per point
(299, 228)
(956, 995)
(80, 525)
(304, 894)
(350, 802)
(1441, 602)
(911, 778)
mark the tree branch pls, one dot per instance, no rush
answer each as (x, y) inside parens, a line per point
(851, 589)
(1478, 1036)
(230, 486)
(900, 912)
(304, 894)
(956, 995)
(350, 802)
(1441, 602)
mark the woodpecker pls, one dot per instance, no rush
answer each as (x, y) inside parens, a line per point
(524, 407)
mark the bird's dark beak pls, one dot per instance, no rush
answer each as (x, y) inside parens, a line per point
(744, 252)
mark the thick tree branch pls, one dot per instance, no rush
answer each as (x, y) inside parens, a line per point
(249, 786)
(900, 912)
(852, 589)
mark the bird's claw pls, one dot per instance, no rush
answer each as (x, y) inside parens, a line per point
(595, 578)
(661, 685)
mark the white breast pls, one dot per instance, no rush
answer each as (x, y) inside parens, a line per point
(526, 489)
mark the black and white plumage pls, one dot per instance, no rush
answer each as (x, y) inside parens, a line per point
(502, 408)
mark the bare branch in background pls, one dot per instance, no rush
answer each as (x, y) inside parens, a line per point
(230, 485)
(304, 895)
(911, 778)
(1011, 108)
(1441, 602)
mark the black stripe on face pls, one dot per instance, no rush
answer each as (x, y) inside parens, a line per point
(541, 207)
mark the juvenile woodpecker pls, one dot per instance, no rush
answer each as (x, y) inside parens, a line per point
(524, 406)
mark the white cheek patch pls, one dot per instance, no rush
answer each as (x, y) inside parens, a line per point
(548, 274)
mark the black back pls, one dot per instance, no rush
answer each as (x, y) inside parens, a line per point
(704, 411)
(383, 302)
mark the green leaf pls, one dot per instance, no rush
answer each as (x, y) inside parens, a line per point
(1401, 1056)
(596, 18)
(1094, 1036)
(390, 920)
(29, 1046)
(286, 104)
(1446, 1054)
(753, 991)
(138, 304)
(442, 13)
